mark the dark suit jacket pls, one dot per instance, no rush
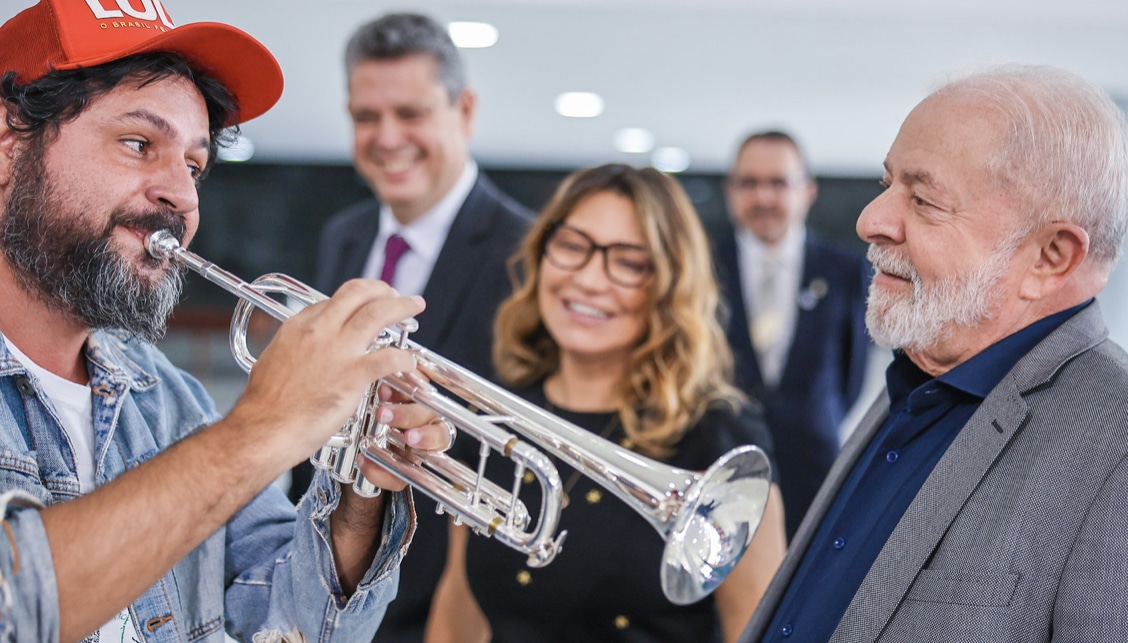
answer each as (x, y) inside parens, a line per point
(1020, 533)
(467, 284)
(824, 369)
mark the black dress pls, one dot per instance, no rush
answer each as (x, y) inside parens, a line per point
(604, 585)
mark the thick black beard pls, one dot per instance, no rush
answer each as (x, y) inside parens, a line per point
(68, 267)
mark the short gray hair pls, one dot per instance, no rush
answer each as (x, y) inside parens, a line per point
(397, 35)
(1065, 152)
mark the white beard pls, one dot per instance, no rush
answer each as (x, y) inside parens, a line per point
(928, 315)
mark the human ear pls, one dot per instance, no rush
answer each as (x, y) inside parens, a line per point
(812, 191)
(1062, 248)
(467, 104)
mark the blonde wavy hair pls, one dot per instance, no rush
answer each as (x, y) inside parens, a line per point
(682, 364)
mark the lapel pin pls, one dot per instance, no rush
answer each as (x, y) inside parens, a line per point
(809, 297)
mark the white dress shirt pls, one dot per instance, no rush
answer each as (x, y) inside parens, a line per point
(425, 236)
(787, 256)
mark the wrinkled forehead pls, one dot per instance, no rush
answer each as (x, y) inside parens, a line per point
(954, 152)
(965, 117)
(944, 130)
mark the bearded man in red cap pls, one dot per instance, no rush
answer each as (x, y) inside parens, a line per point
(130, 507)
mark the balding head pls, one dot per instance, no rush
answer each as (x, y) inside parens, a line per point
(1064, 150)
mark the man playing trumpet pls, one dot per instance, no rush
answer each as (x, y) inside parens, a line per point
(126, 499)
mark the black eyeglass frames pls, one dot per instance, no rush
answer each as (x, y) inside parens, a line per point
(570, 249)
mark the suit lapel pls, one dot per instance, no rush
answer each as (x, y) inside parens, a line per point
(808, 326)
(355, 250)
(454, 266)
(957, 475)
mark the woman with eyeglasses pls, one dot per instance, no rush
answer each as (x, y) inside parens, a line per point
(614, 328)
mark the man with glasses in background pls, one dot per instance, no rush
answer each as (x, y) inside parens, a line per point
(796, 313)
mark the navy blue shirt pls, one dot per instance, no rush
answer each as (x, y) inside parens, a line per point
(925, 415)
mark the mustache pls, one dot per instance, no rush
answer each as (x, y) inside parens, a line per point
(761, 210)
(149, 221)
(885, 260)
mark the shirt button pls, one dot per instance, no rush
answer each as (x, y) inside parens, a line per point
(839, 542)
(786, 630)
(23, 385)
(892, 456)
(622, 622)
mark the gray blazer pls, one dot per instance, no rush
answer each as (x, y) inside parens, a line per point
(1021, 531)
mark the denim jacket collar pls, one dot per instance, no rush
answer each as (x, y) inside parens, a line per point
(105, 359)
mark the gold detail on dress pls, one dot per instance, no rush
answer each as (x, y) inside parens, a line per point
(524, 578)
(528, 478)
(622, 622)
(594, 496)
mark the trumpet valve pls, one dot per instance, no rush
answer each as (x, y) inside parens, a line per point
(325, 457)
(407, 327)
(379, 435)
(364, 488)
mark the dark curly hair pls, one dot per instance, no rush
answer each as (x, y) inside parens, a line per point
(38, 108)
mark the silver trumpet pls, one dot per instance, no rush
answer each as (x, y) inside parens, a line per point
(706, 519)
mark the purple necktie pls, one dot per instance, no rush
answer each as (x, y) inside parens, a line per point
(393, 250)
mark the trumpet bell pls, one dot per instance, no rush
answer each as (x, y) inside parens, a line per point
(715, 525)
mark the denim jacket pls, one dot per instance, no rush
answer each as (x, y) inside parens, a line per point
(269, 569)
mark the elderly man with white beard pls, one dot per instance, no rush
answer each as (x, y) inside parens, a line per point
(981, 497)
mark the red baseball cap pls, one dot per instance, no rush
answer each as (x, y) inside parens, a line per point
(68, 34)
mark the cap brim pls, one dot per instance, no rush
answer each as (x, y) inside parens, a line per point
(244, 65)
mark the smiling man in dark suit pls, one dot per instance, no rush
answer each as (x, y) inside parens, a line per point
(437, 227)
(797, 306)
(982, 498)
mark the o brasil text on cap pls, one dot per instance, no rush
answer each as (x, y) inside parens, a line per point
(68, 34)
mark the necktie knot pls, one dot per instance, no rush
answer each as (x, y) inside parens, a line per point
(394, 249)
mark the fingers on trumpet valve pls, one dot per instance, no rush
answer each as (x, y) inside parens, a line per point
(421, 428)
(437, 435)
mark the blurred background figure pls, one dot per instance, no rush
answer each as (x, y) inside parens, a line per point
(796, 319)
(614, 328)
(436, 227)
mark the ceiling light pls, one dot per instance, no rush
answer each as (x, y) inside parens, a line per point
(634, 140)
(472, 35)
(670, 159)
(241, 149)
(579, 104)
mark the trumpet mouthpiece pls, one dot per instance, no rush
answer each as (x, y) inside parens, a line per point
(162, 244)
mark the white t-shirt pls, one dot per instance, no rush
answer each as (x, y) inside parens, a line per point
(75, 408)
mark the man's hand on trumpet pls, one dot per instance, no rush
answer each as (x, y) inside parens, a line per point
(309, 381)
(310, 378)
